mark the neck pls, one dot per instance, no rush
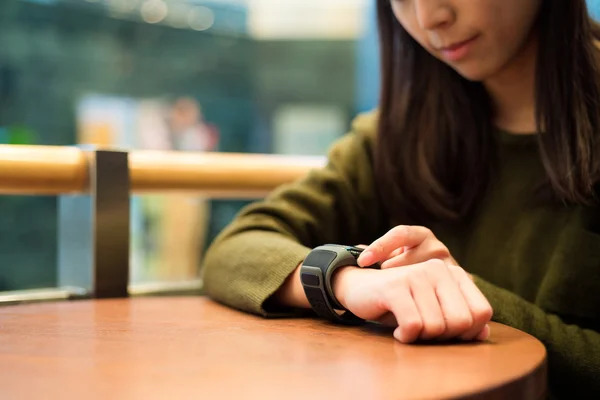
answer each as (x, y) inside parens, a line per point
(512, 91)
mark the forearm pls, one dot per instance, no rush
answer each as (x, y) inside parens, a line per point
(246, 269)
(291, 293)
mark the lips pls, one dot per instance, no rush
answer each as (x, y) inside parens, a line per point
(456, 45)
(457, 50)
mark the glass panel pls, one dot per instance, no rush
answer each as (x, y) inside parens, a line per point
(169, 234)
(28, 242)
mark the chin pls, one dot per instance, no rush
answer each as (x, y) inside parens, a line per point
(474, 73)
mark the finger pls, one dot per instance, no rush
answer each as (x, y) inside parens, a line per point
(480, 309)
(400, 236)
(454, 307)
(398, 251)
(430, 248)
(364, 246)
(402, 305)
(429, 308)
(484, 334)
(397, 261)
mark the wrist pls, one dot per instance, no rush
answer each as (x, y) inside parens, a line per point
(339, 283)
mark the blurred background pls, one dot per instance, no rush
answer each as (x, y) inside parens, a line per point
(254, 76)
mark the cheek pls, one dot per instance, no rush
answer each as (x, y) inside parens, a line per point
(507, 39)
(410, 25)
(509, 28)
(408, 20)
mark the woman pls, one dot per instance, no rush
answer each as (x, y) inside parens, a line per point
(482, 157)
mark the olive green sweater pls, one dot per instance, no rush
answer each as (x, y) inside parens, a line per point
(538, 265)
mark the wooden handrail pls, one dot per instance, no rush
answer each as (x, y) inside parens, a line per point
(216, 174)
(58, 170)
(42, 170)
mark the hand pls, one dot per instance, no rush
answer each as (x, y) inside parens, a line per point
(405, 245)
(429, 300)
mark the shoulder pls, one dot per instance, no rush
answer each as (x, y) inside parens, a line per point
(365, 124)
(358, 142)
(354, 150)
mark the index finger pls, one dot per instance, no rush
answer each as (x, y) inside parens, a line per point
(399, 236)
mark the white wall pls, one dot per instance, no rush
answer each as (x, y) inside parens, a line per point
(306, 19)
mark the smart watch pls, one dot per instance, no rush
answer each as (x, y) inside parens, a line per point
(316, 273)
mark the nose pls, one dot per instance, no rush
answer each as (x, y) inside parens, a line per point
(433, 14)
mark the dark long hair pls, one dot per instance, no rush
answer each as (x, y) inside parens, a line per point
(435, 134)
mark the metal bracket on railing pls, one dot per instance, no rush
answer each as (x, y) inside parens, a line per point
(93, 229)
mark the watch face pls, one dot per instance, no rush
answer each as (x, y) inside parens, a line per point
(320, 258)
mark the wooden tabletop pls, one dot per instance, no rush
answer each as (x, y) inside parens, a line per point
(191, 348)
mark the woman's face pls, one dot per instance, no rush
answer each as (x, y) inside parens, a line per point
(477, 38)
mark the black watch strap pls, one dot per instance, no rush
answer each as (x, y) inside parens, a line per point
(316, 273)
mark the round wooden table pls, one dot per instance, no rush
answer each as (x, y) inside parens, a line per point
(190, 347)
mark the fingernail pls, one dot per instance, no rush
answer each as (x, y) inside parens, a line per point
(365, 258)
(485, 334)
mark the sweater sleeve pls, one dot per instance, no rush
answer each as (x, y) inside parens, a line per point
(252, 257)
(573, 350)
